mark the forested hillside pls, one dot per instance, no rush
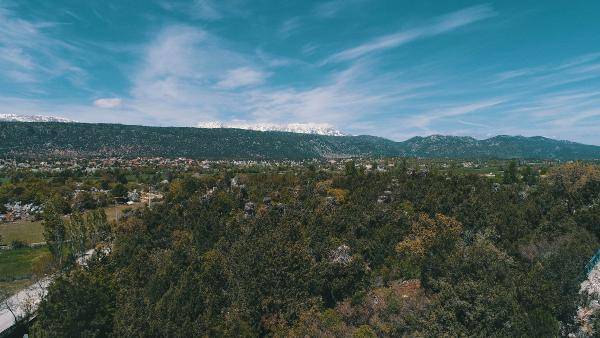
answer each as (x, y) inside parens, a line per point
(308, 252)
(63, 139)
(18, 139)
(502, 146)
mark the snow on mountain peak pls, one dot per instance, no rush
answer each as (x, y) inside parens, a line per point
(304, 128)
(32, 118)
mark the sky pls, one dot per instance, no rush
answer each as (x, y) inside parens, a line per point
(394, 69)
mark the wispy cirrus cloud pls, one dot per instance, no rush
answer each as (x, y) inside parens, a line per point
(554, 100)
(289, 26)
(207, 10)
(424, 120)
(29, 53)
(309, 48)
(440, 25)
(341, 99)
(329, 9)
(576, 69)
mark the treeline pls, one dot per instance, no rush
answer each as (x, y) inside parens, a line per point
(315, 253)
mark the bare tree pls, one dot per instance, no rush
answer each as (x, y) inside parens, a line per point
(7, 303)
(23, 305)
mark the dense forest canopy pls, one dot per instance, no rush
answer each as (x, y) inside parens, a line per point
(313, 252)
(43, 139)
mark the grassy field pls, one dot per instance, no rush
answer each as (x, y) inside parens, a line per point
(25, 231)
(16, 266)
(14, 286)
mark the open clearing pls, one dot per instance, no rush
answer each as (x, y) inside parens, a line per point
(24, 231)
(16, 266)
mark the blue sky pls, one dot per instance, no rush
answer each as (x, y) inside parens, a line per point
(389, 68)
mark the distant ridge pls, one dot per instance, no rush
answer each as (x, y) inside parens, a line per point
(18, 139)
(32, 118)
(501, 146)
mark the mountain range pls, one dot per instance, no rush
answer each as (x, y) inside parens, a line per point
(42, 139)
(303, 128)
(32, 118)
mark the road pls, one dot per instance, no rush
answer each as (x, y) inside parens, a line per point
(28, 299)
(22, 302)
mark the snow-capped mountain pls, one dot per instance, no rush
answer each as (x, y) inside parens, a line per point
(304, 128)
(32, 118)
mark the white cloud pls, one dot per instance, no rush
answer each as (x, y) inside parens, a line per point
(177, 81)
(441, 25)
(108, 102)
(241, 77)
(173, 54)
